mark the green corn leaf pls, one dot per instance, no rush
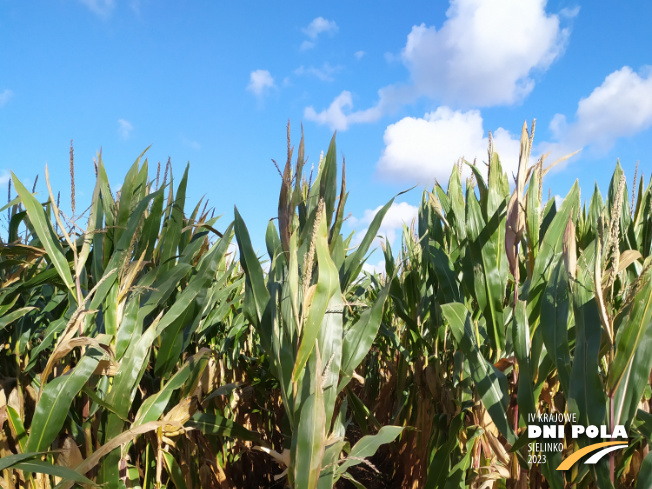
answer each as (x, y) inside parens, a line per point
(457, 205)
(171, 329)
(489, 381)
(130, 372)
(154, 405)
(45, 233)
(586, 394)
(353, 263)
(218, 425)
(533, 218)
(367, 446)
(549, 251)
(595, 209)
(56, 399)
(329, 340)
(10, 461)
(310, 441)
(521, 342)
(17, 427)
(9, 318)
(327, 286)
(448, 283)
(171, 238)
(644, 479)
(56, 470)
(629, 373)
(554, 477)
(151, 227)
(256, 294)
(174, 470)
(328, 181)
(554, 323)
(440, 463)
(126, 197)
(359, 337)
(487, 252)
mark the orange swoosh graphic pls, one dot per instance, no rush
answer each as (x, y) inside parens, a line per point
(569, 461)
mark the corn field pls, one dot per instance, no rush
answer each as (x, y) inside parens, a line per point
(138, 349)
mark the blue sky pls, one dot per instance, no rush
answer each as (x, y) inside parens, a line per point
(409, 86)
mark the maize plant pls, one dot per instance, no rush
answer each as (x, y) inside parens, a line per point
(106, 369)
(137, 351)
(310, 324)
(505, 307)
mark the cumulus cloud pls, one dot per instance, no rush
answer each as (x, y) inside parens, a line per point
(5, 95)
(325, 72)
(620, 107)
(423, 149)
(103, 8)
(124, 128)
(484, 54)
(260, 81)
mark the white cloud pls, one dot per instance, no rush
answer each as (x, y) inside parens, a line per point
(324, 73)
(359, 54)
(397, 215)
(124, 128)
(305, 45)
(260, 81)
(103, 8)
(374, 268)
(620, 107)
(5, 176)
(424, 149)
(5, 95)
(318, 26)
(336, 118)
(484, 54)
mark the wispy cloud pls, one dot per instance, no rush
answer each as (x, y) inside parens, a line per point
(359, 55)
(5, 95)
(103, 8)
(124, 128)
(305, 45)
(4, 177)
(135, 6)
(339, 116)
(191, 143)
(325, 72)
(260, 81)
(318, 26)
